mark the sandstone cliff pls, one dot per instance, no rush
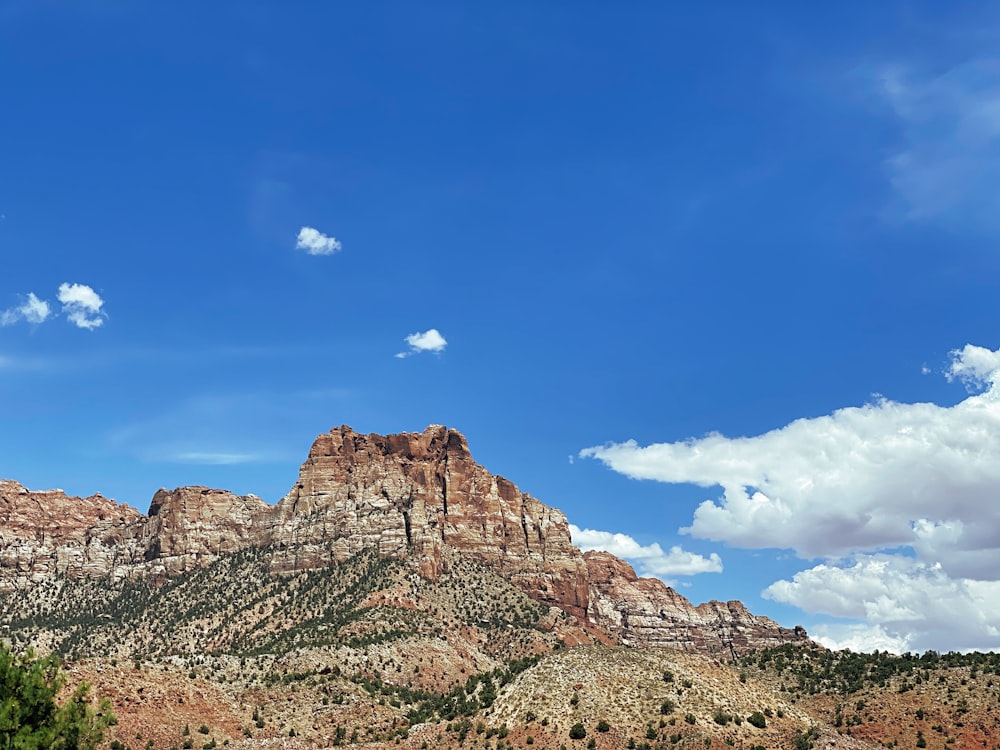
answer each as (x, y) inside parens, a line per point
(420, 493)
(416, 495)
(647, 612)
(48, 534)
(191, 526)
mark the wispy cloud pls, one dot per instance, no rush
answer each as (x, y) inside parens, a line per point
(22, 364)
(213, 459)
(650, 559)
(222, 429)
(314, 242)
(854, 487)
(33, 310)
(430, 340)
(81, 305)
(948, 168)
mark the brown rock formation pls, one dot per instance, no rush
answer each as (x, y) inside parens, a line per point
(647, 612)
(187, 528)
(418, 495)
(45, 534)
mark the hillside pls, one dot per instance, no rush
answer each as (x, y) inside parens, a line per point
(399, 595)
(418, 497)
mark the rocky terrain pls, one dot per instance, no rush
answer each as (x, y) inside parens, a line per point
(619, 697)
(400, 595)
(419, 496)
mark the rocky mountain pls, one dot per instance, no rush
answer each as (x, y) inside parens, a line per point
(414, 496)
(647, 612)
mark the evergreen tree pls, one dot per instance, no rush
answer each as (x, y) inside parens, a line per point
(30, 716)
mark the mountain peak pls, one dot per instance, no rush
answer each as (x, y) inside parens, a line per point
(415, 495)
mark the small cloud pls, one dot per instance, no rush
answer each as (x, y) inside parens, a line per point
(314, 242)
(33, 310)
(650, 559)
(925, 370)
(430, 340)
(976, 366)
(81, 305)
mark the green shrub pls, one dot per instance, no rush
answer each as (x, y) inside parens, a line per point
(667, 706)
(577, 732)
(806, 740)
(757, 719)
(603, 726)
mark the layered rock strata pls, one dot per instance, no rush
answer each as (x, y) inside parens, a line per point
(417, 495)
(647, 612)
(48, 534)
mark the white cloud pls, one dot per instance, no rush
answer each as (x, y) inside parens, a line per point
(911, 602)
(650, 560)
(862, 480)
(949, 166)
(33, 310)
(428, 341)
(314, 242)
(81, 305)
(859, 637)
(975, 366)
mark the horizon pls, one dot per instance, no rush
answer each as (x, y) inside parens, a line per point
(717, 282)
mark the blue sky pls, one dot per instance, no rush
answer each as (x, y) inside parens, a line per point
(771, 223)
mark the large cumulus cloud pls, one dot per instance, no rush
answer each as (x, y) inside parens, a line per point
(919, 481)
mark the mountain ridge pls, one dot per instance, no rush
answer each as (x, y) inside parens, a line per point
(408, 495)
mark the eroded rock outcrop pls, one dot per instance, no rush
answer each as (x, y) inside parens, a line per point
(647, 612)
(417, 495)
(191, 526)
(420, 493)
(45, 534)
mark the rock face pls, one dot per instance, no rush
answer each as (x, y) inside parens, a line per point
(647, 612)
(189, 527)
(418, 495)
(47, 534)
